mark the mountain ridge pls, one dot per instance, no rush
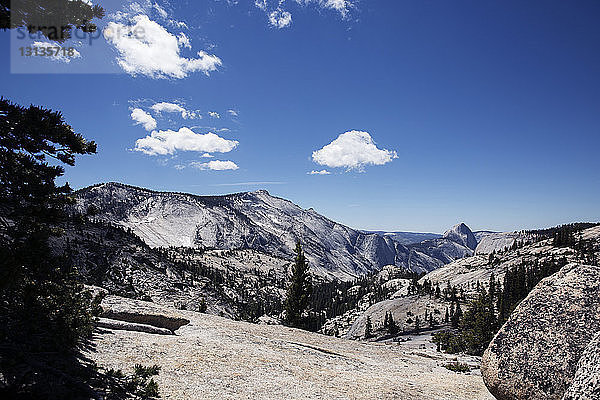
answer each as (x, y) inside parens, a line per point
(260, 221)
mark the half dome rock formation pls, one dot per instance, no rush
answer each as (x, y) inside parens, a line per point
(535, 354)
(461, 234)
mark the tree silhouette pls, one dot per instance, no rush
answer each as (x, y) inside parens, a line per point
(45, 313)
(54, 19)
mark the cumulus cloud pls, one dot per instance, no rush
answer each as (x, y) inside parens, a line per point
(322, 172)
(280, 18)
(141, 117)
(145, 47)
(169, 141)
(215, 165)
(172, 108)
(57, 52)
(352, 150)
(214, 114)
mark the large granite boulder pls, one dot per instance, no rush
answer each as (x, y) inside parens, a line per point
(535, 354)
(586, 383)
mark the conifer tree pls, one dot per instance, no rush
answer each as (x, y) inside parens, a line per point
(392, 328)
(299, 290)
(55, 19)
(368, 328)
(386, 321)
(45, 313)
(455, 319)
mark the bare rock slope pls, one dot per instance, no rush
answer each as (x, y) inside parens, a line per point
(536, 353)
(259, 221)
(216, 358)
(586, 383)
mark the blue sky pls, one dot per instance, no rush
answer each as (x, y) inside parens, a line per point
(482, 112)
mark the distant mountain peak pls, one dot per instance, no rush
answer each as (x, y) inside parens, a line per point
(461, 234)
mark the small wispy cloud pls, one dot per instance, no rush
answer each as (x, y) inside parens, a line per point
(250, 183)
(215, 165)
(280, 18)
(141, 117)
(168, 107)
(56, 52)
(322, 172)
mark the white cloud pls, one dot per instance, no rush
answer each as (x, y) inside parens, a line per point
(280, 18)
(215, 165)
(233, 113)
(341, 6)
(322, 172)
(172, 108)
(214, 114)
(178, 24)
(352, 150)
(184, 41)
(262, 4)
(141, 117)
(161, 11)
(207, 155)
(249, 184)
(169, 142)
(147, 48)
(58, 53)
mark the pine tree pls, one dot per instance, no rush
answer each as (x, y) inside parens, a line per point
(455, 319)
(392, 327)
(45, 313)
(368, 328)
(299, 290)
(385, 321)
(55, 19)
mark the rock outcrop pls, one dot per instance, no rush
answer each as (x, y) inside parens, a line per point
(586, 383)
(217, 358)
(535, 354)
(130, 326)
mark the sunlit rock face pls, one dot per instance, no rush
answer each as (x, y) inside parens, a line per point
(259, 221)
(535, 354)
